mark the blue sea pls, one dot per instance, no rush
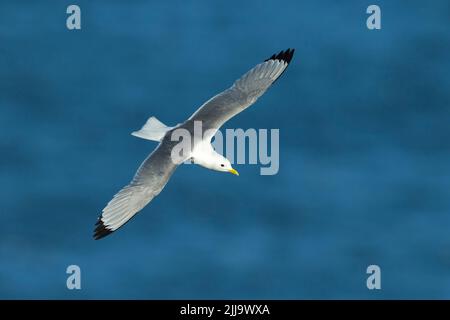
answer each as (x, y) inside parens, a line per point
(364, 176)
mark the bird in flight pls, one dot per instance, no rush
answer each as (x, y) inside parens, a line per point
(156, 170)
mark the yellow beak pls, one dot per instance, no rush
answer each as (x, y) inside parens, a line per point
(233, 171)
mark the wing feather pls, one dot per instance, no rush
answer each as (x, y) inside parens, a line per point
(149, 180)
(243, 93)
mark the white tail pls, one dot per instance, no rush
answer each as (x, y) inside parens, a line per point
(153, 130)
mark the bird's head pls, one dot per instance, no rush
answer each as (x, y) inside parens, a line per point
(224, 165)
(217, 162)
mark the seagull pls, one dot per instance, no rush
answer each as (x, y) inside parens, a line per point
(158, 167)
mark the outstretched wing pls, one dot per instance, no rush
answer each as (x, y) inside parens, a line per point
(149, 180)
(243, 93)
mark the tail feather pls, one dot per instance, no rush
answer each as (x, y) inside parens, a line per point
(153, 130)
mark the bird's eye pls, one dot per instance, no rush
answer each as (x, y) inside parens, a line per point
(222, 165)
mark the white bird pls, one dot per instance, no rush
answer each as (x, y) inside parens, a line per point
(156, 170)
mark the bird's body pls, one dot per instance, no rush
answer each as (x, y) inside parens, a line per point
(156, 170)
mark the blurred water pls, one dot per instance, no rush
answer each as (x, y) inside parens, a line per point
(364, 130)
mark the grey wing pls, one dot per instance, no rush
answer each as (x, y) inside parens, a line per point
(149, 180)
(243, 93)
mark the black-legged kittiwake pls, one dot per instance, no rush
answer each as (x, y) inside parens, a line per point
(156, 170)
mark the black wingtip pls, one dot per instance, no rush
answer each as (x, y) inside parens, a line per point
(101, 230)
(283, 56)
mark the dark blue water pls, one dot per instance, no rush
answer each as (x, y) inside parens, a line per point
(364, 150)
